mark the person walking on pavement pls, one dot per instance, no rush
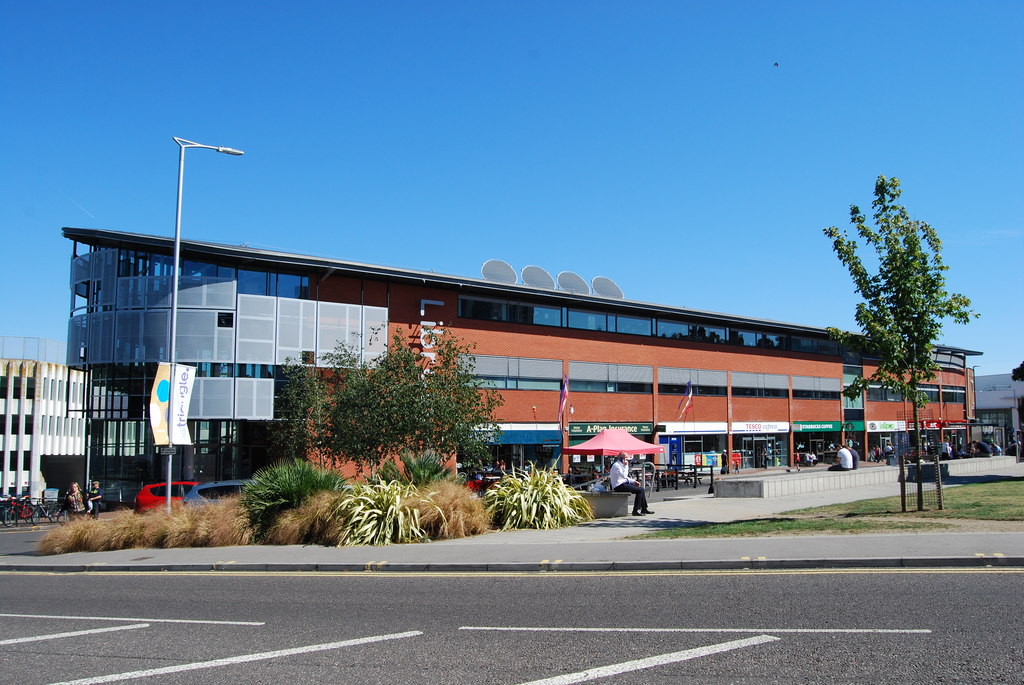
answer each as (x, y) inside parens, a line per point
(621, 482)
(94, 497)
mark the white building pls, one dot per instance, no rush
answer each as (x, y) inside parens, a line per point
(42, 424)
(998, 402)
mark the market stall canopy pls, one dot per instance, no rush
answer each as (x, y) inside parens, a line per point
(612, 441)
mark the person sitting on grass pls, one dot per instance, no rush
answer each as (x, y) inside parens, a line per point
(621, 482)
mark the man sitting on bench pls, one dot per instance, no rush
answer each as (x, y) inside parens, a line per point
(621, 482)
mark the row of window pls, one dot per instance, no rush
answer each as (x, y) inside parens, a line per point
(135, 263)
(948, 394)
(505, 383)
(484, 309)
(48, 425)
(52, 388)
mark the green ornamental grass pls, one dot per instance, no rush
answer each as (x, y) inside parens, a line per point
(380, 514)
(283, 486)
(538, 499)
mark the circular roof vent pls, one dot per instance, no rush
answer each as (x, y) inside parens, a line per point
(499, 272)
(538, 277)
(606, 287)
(572, 283)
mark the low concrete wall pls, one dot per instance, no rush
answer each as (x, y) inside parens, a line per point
(606, 505)
(781, 484)
(961, 467)
(799, 483)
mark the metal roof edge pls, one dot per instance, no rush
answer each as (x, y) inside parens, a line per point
(245, 253)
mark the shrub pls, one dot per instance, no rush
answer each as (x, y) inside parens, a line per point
(451, 510)
(282, 486)
(216, 524)
(77, 535)
(314, 522)
(416, 469)
(535, 500)
(379, 514)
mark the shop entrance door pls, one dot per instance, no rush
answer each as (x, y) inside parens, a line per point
(761, 451)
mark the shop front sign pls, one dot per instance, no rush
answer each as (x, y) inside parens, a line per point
(887, 426)
(930, 424)
(760, 426)
(595, 428)
(695, 427)
(817, 426)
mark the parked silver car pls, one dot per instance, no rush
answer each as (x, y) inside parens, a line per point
(204, 493)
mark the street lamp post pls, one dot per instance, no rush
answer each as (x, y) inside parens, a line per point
(182, 146)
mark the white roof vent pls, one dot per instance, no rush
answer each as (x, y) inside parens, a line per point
(538, 277)
(606, 287)
(498, 271)
(572, 283)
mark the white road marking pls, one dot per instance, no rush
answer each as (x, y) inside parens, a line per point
(241, 659)
(151, 620)
(56, 636)
(650, 662)
(538, 629)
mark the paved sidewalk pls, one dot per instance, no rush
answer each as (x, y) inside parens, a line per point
(596, 546)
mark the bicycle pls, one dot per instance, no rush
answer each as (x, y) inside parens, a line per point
(18, 510)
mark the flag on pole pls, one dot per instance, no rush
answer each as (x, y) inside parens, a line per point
(563, 397)
(686, 402)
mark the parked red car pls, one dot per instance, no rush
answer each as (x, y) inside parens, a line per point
(155, 494)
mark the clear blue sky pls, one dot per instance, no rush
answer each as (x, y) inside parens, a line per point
(651, 142)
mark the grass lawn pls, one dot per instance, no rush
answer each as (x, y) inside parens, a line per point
(995, 501)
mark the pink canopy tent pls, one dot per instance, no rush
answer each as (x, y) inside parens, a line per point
(612, 441)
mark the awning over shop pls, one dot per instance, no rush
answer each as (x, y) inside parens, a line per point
(611, 442)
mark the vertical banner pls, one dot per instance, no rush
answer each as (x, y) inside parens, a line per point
(158, 403)
(181, 392)
(169, 402)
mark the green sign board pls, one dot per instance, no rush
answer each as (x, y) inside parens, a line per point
(853, 426)
(817, 426)
(595, 428)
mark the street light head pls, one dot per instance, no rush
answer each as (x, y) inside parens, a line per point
(230, 151)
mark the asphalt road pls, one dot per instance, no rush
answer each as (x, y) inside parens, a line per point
(670, 627)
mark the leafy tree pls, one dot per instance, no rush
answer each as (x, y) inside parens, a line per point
(1018, 373)
(302, 411)
(905, 298)
(367, 412)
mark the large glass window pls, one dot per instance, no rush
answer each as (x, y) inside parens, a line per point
(537, 314)
(293, 286)
(953, 394)
(633, 325)
(673, 329)
(253, 282)
(712, 334)
(589, 321)
(816, 394)
(879, 393)
(930, 391)
(758, 392)
(483, 310)
(680, 389)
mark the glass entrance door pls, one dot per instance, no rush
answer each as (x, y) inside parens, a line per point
(762, 451)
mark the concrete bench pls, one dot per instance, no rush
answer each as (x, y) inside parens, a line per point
(606, 505)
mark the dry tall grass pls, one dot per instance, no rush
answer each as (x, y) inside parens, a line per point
(450, 510)
(446, 510)
(314, 522)
(217, 524)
